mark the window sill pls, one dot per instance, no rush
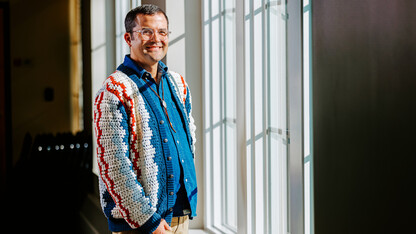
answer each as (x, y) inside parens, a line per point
(197, 231)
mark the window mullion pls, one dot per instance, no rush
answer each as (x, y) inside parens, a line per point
(252, 124)
(295, 121)
(265, 118)
(242, 156)
(211, 180)
(222, 104)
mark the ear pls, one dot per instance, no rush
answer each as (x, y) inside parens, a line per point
(127, 38)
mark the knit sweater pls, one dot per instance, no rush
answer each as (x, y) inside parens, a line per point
(132, 158)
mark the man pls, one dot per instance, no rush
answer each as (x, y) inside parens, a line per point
(146, 135)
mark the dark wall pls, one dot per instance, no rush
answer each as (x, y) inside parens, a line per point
(364, 72)
(40, 69)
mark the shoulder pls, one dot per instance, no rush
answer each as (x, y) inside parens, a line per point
(116, 80)
(180, 85)
(178, 78)
(119, 84)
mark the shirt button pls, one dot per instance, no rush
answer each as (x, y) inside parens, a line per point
(177, 142)
(162, 122)
(183, 161)
(171, 193)
(165, 140)
(170, 176)
(186, 180)
(169, 158)
(170, 209)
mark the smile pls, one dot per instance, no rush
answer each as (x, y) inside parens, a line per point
(152, 48)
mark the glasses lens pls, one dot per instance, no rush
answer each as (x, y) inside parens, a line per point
(163, 33)
(147, 33)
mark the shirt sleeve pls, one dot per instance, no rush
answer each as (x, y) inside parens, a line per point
(115, 166)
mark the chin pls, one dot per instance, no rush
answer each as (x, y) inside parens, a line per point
(156, 58)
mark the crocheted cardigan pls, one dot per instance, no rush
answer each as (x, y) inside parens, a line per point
(133, 179)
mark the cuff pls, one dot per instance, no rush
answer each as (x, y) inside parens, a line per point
(151, 225)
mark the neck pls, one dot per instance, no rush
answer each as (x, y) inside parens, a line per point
(152, 69)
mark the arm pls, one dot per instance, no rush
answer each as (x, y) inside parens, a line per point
(192, 127)
(111, 126)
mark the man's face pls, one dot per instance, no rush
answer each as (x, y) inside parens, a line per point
(148, 52)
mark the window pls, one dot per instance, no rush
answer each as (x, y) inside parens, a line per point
(121, 10)
(259, 27)
(220, 114)
(266, 124)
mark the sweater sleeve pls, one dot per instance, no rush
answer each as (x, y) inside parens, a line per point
(192, 127)
(115, 166)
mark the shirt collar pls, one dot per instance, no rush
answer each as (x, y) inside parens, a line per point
(128, 62)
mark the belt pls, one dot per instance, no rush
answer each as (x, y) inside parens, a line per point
(185, 212)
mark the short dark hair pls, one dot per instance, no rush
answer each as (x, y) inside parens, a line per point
(146, 9)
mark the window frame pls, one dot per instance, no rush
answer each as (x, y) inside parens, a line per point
(294, 122)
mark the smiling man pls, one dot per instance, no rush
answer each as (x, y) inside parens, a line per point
(146, 135)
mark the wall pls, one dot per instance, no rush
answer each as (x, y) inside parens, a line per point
(5, 116)
(39, 59)
(364, 86)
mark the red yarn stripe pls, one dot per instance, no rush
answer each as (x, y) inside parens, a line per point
(108, 181)
(134, 138)
(184, 90)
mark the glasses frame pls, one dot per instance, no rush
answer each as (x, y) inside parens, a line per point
(163, 38)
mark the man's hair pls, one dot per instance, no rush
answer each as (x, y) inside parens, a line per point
(147, 9)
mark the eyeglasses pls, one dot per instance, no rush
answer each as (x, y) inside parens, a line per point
(148, 33)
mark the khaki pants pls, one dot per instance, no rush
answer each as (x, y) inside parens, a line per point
(179, 225)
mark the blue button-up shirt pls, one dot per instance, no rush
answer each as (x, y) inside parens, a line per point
(181, 154)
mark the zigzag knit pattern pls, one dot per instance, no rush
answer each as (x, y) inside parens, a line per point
(130, 182)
